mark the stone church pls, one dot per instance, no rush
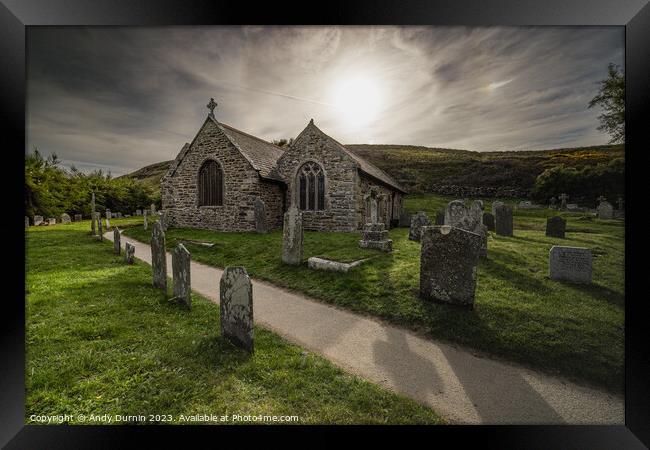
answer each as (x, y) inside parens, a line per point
(214, 181)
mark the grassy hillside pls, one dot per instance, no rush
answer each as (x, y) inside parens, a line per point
(425, 169)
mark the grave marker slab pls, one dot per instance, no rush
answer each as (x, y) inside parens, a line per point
(555, 227)
(605, 210)
(292, 237)
(488, 220)
(503, 224)
(51, 221)
(93, 216)
(236, 304)
(38, 220)
(572, 264)
(181, 276)
(78, 217)
(417, 222)
(117, 238)
(457, 214)
(108, 219)
(158, 258)
(65, 219)
(26, 222)
(145, 222)
(129, 253)
(100, 229)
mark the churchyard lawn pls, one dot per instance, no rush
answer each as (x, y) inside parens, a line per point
(101, 340)
(576, 331)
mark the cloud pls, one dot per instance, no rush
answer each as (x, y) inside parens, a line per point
(122, 98)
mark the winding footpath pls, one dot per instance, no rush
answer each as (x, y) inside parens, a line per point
(460, 386)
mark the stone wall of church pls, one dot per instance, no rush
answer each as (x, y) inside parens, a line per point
(341, 181)
(389, 207)
(242, 184)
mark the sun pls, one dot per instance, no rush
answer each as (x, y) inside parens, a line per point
(358, 100)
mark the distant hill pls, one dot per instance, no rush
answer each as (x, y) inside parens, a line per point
(425, 169)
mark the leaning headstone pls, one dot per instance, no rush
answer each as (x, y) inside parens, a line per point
(503, 224)
(236, 304)
(260, 215)
(108, 219)
(605, 210)
(51, 221)
(100, 230)
(93, 216)
(65, 219)
(117, 238)
(26, 222)
(488, 220)
(417, 222)
(38, 220)
(572, 264)
(145, 221)
(78, 217)
(555, 227)
(129, 253)
(158, 258)
(181, 273)
(448, 263)
(292, 237)
(405, 219)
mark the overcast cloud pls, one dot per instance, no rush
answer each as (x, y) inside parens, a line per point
(122, 98)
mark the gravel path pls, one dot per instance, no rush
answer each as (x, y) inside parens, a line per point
(460, 386)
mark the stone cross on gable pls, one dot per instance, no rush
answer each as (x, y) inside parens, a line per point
(211, 105)
(601, 199)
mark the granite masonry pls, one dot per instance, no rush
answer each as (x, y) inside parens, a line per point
(236, 304)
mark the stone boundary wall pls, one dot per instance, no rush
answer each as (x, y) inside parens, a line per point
(471, 191)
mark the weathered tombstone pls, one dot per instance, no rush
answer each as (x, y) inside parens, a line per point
(572, 207)
(292, 236)
(100, 230)
(495, 205)
(158, 258)
(563, 198)
(78, 217)
(145, 221)
(605, 210)
(525, 204)
(138, 212)
(129, 252)
(26, 222)
(503, 224)
(375, 236)
(153, 209)
(164, 220)
(552, 203)
(51, 221)
(236, 304)
(570, 264)
(440, 217)
(108, 219)
(417, 222)
(38, 220)
(181, 273)
(260, 215)
(93, 216)
(405, 219)
(65, 219)
(555, 227)
(488, 220)
(119, 215)
(457, 214)
(448, 263)
(117, 238)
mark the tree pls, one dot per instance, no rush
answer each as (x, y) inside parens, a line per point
(611, 98)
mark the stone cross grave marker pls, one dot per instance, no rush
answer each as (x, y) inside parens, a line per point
(260, 215)
(292, 237)
(448, 261)
(117, 238)
(38, 220)
(181, 276)
(158, 258)
(129, 253)
(555, 227)
(572, 264)
(563, 198)
(236, 303)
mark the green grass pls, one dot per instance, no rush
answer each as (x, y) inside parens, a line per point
(519, 315)
(101, 340)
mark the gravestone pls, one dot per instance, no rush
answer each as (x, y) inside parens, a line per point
(525, 204)
(158, 258)
(563, 198)
(119, 215)
(572, 264)
(572, 207)
(495, 205)
(375, 236)
(503, 225)
(153, 209)
(26, 222)
(145, 222)
(405, 219)
(236, 304)
(292, 237)
(417, 222)
(100, 230)
(488, 220)
(78, 217)
(457, 214)
(138, 212)
(605, 210)
(65, 219)
(93, 216)
(129, 253)
(117, 238)
(260, 215)
(552, 203)
(448, 261)
(108, 219)
(51, 221)
(181, 276)
(38, 220)
(440, 217)
(555, 227)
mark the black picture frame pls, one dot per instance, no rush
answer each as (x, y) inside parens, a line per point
(634, 15)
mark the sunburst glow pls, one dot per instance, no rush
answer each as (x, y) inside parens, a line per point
(358, 100)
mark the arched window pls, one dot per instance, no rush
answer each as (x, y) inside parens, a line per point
(210, 184)
(311, 187)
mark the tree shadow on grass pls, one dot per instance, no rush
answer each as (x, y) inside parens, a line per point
(500, 268)
(596, 291)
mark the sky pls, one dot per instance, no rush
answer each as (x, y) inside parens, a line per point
(120, 98)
